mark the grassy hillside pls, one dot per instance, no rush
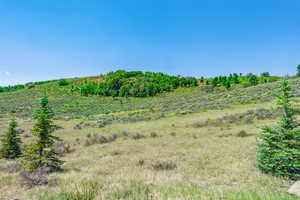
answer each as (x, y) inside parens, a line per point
(191, 143)
(180, 157)
(107, 109)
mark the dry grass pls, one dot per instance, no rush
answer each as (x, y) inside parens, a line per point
(204, 161)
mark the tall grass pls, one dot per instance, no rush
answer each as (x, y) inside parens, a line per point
(86, 190)
(135, 190)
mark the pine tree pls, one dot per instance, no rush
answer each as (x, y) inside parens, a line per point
(11, 142)
(202, 79)
(298, 70)
(253, 80)
(214, 82)
(227, 84)
(235, 78)
(279, 149)
(40, 153)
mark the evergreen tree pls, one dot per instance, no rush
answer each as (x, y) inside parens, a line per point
(279, 149)
(235, 78)
(214, 82)
(265, 74)
(202, 79)
(227, 84)
(298, 70)
(40, 153)
(253, 80)
(11, 142)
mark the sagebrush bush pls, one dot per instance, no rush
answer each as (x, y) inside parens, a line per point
(279, 149)
(153, 134)
(11, 142)
(164, 165)
(173, 133)
(62, 147)
(36, 177)
(138, 136)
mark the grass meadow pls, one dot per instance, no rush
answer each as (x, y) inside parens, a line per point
(167, 158)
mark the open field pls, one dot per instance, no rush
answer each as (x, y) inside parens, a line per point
(180, 161)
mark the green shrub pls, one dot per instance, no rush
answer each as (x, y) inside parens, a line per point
(63, 82)
(11, 142)
(242, 133)
(279, 150)
(298, 70)
(265, 74)
(40, 153)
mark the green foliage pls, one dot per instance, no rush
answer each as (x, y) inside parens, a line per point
(63, 82)
(20, 87)
(298, 70)
(11, 142)
(246, 81)
(253, 80)
(11, 88)
(265, 74)
(279, 151)
(40, 153)
(135, 83)
(242, 133)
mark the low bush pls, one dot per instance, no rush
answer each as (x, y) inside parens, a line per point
(61, 148)
(153, 134)
(242, 133)
(173, 133)
(36, 177)
(164, 165)
(138, 136)
(125, 133)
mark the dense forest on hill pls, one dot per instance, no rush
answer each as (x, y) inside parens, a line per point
(134, 83)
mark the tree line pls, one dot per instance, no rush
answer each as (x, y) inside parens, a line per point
(139, 84)
(134, 83)
(22, 86)
(238, 79)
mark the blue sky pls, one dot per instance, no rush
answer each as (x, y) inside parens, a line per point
(51, 39)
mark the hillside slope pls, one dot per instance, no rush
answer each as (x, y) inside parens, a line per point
(195, 156)
(107, 109)
(175, 150)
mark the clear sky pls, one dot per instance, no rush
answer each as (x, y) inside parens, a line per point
(49, 39)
